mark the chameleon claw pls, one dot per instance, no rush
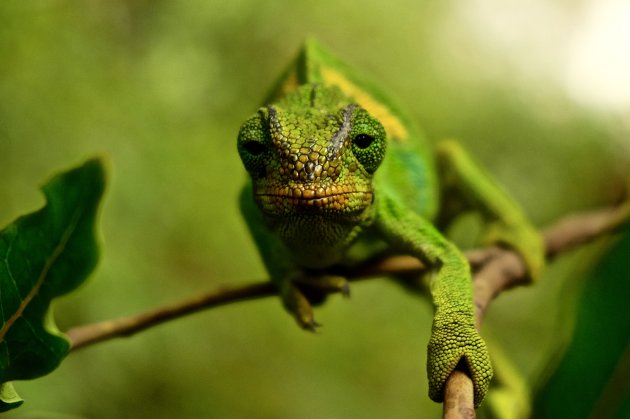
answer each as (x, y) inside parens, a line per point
(312, 326)
(298, 305)
(306, 321)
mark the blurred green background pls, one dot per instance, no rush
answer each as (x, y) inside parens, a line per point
(161, 87)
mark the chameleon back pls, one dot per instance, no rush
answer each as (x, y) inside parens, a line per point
(407, 172)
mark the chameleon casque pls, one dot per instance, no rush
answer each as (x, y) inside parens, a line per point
(337, 172)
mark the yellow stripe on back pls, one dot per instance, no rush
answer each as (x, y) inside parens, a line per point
(289, 84)
(394, 127)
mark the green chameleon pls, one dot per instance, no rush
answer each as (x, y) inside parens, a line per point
(338, 174)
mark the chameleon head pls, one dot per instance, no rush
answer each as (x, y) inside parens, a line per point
(314, 152)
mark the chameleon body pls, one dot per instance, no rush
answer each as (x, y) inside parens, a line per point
(337, 173)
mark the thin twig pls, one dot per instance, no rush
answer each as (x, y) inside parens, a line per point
(497, 270)
(89, 334)
(82, 336)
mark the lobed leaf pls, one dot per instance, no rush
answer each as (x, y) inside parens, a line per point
(44, 255)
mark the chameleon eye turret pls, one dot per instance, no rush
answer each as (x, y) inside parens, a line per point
(253, 146)
(368, 141)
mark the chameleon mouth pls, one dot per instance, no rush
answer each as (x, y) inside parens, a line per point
(335, 199)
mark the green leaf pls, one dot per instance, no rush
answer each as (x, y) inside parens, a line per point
(44, 255)
(9, 399)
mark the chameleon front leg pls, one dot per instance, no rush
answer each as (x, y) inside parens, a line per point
(454, 338)
(466, 186)
(300, 290)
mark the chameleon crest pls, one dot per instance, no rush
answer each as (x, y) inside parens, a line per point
(315, 65)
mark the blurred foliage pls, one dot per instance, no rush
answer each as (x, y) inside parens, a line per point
(591, 379)
(161, 87)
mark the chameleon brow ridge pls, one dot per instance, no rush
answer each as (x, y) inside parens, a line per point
(274, 122)
(339, 138)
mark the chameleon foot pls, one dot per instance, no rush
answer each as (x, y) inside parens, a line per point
(300, 293)
(457, 344)
(298, 305)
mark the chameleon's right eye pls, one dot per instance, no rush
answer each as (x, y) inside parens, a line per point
(368, 140)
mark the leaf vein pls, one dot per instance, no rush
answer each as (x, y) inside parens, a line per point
(10, 273)
(56, 253)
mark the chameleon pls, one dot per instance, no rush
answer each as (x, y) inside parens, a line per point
(337, 173)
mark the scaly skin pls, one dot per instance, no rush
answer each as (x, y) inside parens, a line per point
(334, 167)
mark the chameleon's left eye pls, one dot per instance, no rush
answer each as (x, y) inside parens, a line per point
(368, 140)
(363, 141)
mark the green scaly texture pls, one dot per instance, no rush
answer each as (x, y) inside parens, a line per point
(337, 173)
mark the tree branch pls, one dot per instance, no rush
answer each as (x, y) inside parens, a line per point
(500, 269)
(82, 336)
(497, 270)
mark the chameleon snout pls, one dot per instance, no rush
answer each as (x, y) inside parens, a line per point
(308, 198)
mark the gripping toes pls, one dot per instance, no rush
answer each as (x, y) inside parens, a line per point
(298, 305)
(447, 348)
(300, 292)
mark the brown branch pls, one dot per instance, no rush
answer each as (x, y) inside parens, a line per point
(501, 269)
(497, 270)
(458, 397)
(89, 334)
(82, 336)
